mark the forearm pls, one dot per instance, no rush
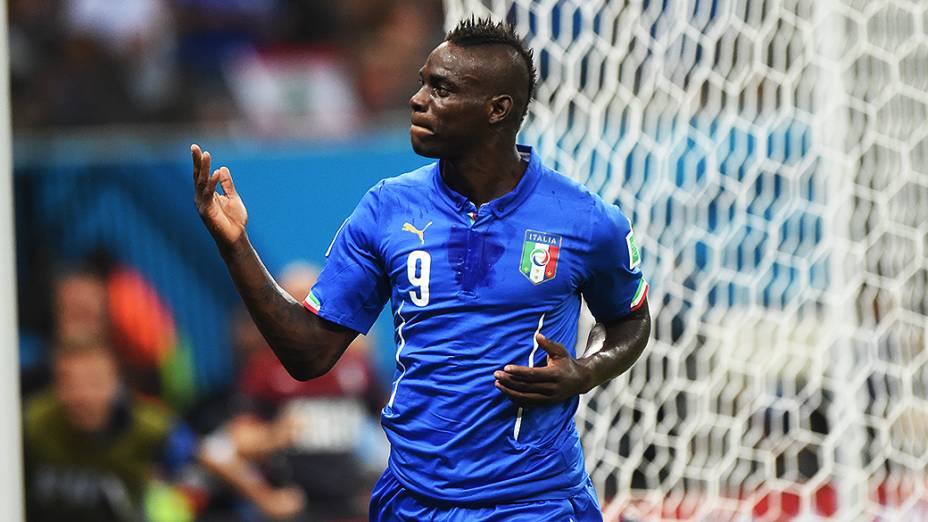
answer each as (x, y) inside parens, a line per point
(242, 476)
(622, 343)
(219, 456)
(307, 345)
(299, 339)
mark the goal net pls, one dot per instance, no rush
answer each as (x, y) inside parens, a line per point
(773, 157)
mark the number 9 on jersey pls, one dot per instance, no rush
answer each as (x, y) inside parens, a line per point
(418, 267)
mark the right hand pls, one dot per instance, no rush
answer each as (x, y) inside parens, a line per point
(282, 503)
(224, 215)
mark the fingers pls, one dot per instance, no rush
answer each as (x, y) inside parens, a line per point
(210, 188)
(201, 177)
(526, 374)
(545, 388)
(201, 161)
(525, 398)
(225, 179)
(197, 155)
(532, 386)
(204, 182)
(554, 349)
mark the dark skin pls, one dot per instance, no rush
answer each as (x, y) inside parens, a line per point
(307, 345)
(467, 113)
(464, 114)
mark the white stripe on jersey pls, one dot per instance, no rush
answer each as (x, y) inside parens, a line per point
(531, 364)
(329, 250)
(399, 348)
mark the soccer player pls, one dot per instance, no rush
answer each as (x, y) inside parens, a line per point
(484, 256)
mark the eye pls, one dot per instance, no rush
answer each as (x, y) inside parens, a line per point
(441, 91)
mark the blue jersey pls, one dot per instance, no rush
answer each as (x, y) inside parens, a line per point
(469, 289)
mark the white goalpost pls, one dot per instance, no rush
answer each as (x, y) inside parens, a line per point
(773, 158)
(11, 480)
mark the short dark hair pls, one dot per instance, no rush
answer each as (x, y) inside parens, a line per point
(484, 31)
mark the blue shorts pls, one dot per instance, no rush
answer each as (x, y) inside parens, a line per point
(391, 502)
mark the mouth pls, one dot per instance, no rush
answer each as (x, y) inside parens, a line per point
(418, 121)
(416, 128)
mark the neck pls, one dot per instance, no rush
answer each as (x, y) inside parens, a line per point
(485, 174)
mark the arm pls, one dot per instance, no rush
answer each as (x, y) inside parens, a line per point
(307, 345)
(622, 341)
(219, 455)
(564, 377)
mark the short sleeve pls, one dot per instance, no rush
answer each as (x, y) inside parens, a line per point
(614, 285)
(353, 287)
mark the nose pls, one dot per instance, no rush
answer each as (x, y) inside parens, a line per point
(418, 101)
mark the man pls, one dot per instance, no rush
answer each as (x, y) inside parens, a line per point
(92, 450)
(79, 310)
(484, 256)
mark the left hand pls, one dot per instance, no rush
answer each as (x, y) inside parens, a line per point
(562, 378)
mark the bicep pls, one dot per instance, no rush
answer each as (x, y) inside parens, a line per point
(636, 323)
(332, 334)
(324, 343)
(614, 286)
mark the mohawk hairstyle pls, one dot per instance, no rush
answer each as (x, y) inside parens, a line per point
(484, 31)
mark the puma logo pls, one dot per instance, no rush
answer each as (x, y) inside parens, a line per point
(421, 233)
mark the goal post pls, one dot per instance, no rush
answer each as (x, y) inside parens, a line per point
(773, 157)
(11, 483)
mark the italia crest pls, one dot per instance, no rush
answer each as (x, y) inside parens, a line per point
(540, 253)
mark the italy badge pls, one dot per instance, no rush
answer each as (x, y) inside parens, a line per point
(540, 253)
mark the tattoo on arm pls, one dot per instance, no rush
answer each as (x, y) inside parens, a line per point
(306, 344)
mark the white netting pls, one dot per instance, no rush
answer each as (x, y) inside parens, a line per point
(773, 156)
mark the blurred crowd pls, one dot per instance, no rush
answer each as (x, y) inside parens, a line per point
(274, 67)
(114, 427)
(102, 442)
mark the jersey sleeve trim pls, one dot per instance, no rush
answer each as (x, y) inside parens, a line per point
(312, 303)
(641, 294)
(310, 307)
(341, 320)
(347, 320)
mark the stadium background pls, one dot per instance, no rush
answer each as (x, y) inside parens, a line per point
(786, 258)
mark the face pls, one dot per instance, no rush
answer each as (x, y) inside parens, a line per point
(86, 384)
(80, 307)
(449, 111)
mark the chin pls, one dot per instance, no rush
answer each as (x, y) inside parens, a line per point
(426, 150)
(88, 425)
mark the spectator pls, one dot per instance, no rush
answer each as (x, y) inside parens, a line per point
(141, 35)
(272, 450)
(93, 449)
(389, 48)
(78, 311)
(112, 301)
(79, 306)
(34, 37)
(84, 63)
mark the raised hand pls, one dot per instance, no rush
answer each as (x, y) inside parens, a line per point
(224, 214)
(562, 378)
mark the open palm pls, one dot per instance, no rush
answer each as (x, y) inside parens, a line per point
(223, 214)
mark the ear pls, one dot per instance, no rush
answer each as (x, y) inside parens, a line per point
(498, 108)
